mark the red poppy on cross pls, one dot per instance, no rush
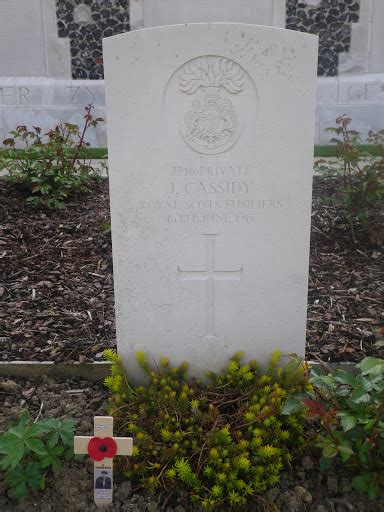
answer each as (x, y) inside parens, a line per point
(102, 447)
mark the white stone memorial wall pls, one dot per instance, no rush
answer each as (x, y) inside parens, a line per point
(29, 44)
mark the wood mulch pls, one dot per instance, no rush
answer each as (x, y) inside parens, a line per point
(56, 282)
(345, 320)
(56, 296)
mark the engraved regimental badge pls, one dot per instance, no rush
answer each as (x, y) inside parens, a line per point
(211, 125)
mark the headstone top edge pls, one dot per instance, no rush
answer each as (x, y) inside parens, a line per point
(294, 33)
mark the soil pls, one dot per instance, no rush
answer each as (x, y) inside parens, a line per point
(56, 290)
(303, 488)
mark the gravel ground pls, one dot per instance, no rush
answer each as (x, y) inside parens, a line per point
(69, 489)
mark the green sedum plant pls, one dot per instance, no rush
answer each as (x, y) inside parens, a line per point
(220, 443)
(359, 178)
(351, 410)
(52, 165)
(28, 449)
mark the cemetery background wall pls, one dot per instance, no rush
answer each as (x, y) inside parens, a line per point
(86, 23)
(51, 56)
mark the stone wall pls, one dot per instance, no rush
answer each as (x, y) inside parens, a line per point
(41, 83)
(66, 40)
(351, 37)
(332, 21)
(86, 23)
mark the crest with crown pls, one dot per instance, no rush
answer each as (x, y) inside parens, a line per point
(211, 125)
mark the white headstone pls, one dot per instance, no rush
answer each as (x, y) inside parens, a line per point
(153, 13)
(210, 131)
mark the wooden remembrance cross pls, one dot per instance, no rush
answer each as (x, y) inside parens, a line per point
(102, 447)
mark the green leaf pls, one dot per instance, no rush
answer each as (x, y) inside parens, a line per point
(347, 422)
(8, 440)
(42, 482)
(292, 365)
(68, 424)
(55, 463)
(373, 491)
(17, 432)
(365, 383)
(67, 437)
(36, 445)
(24, 418)
(20, 478)
(368, 424)
(363, 458)
(14, 476)
(330, 451)
(20, 490)
(345, 377)
(53, 439)
(371, 365)
(360, 397)
(57, 450)
(14, 454)
(50, 460)
(292, 406)
(377, 379)
(33, 475)
(343, 390)
(49, 424)
(31, 431)
(360, 484)
(346, 452)
(52, 457)
(365, 447)
(46, 461)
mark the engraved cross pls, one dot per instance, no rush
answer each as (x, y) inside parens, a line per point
(210, 275)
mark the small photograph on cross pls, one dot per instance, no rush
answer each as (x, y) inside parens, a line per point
(103, 478)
